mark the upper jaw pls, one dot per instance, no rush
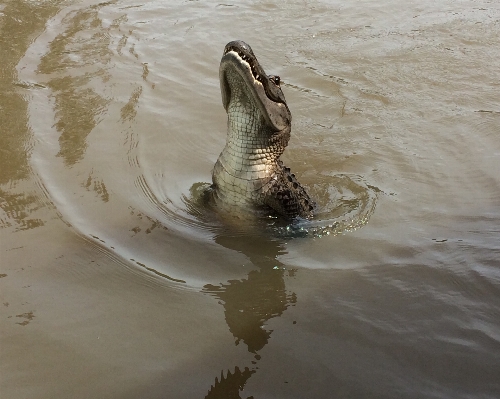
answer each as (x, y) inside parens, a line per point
(238, 58)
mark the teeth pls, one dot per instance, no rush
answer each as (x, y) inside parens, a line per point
(246, 59)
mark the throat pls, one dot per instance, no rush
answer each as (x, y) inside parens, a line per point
(247, 134)
(247, 155)
(244, 120)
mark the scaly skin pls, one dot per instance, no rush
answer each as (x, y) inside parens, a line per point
(249, 173)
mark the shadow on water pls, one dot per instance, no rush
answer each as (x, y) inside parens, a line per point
(249, 303)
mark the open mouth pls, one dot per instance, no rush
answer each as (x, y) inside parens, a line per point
(271, 83)
(239, 58)
(251, 61)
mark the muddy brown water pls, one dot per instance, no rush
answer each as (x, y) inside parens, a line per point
(116, 283)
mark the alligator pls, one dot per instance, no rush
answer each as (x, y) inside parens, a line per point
(249, 173)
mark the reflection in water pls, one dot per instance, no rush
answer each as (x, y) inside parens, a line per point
(78, 105)
(230, 386)
(251, 302)
(129, 110)
(77, 109)
(20, 22)
(17, 208)
(76, 65)
(98, 186)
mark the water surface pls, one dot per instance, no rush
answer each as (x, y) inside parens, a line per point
(116, 283)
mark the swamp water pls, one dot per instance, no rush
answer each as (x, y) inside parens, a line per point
(113, 282)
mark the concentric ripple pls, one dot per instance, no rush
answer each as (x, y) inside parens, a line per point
(125, 160)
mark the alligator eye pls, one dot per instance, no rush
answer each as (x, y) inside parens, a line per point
(276, 80)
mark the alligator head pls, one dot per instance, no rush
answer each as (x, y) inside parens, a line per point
(241, 75)
(248, 173)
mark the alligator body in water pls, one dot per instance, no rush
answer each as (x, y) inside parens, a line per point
(249, 173)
